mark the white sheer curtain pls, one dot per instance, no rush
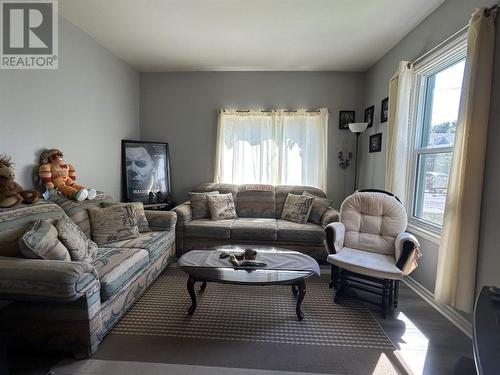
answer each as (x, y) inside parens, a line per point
(456, 273)
(275, 147)
(397, 130)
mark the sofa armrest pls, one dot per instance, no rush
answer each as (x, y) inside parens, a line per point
(161, 220)
(184, 214)
(329, 216)
(407, 252)
(45, 280)
(335, 233)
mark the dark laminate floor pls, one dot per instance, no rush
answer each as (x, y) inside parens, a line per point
(427, 343)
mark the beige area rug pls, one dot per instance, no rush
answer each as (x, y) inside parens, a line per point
(253, 314)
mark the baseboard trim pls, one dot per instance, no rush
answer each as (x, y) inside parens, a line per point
(449, 313)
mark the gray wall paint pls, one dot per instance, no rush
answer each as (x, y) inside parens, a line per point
(450, 17)
(180, 108)
(84, 108)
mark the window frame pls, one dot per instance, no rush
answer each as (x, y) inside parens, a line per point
(440, 59)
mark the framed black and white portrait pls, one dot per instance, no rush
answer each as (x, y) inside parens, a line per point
(369, 112)
(375, 144)
(384, 110)
(145, 172)
(345, 118)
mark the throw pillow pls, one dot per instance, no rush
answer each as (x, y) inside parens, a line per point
(142, 220)
(80, 247)
(222, 206)
(297, 208)
(199, 204)
(41, 242)
(319, 207)
(114, 223)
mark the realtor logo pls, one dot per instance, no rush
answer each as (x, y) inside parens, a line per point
(29, 35)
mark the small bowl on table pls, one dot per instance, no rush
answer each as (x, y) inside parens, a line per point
(250, 254)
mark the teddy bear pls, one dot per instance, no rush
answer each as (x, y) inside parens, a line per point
(11, 193)
(56, 175)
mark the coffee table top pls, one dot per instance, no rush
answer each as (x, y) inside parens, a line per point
(283, 266)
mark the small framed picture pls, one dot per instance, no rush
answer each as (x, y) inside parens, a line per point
(345, 118)
(369, 115)
(384, 110)
(376, 142)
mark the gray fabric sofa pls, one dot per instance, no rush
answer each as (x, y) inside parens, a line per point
(70, 306)
(259, 210)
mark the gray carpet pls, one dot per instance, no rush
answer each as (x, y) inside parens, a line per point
(264, 314)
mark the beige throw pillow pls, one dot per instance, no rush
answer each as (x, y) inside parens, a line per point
(114, 223)
(142, 220)
(41, 242)
(199, 204)
(297, 208)
(319, 207)
(80, 247)
(222, 206)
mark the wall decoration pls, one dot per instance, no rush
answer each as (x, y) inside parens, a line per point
(145, 172)
(345, 118)
(384, 110)
(369, 112)
(375, 144)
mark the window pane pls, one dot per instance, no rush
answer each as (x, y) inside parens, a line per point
(432, 183)
(442, 103)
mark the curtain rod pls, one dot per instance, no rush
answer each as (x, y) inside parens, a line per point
(487, 11)
(287, 111)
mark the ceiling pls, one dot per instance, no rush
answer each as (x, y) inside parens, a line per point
(215, 35)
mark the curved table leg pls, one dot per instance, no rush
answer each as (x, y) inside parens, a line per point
(203, 286)
(192, 293)
(301, 285)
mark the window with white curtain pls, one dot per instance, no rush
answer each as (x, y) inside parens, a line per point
(275, 147)
(436, 101)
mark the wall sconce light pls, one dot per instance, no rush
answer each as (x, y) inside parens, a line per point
(345, 158)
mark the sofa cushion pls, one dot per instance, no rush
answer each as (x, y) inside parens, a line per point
(138, 207)
(256, 201)
(319, 207)
(155, 243)
(41, 242)
(297, 208)
(78, 211)
(221, 206)
(199, 204)
(113, 223)
(308, 232)
(117, 266)
(208, 228)
(282, 192)
(366, 263)
(254, 229)
(80, 247)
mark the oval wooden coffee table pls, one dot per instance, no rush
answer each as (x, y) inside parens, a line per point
(284, 267)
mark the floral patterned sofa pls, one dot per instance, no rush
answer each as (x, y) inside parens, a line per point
(70, 306)
(259, 209)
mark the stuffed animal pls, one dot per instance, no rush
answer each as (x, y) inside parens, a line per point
(11, 193)
(56, 175)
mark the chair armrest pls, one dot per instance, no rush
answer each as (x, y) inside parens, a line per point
(45, 280)
(184, 213)
(161, 220)
(407, 252)
(335, 233)
(329, 216)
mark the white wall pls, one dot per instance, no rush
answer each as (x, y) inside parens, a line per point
(446, 20)
(180, 108)
(84, 108)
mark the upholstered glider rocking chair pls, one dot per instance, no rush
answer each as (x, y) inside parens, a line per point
(369, 248)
